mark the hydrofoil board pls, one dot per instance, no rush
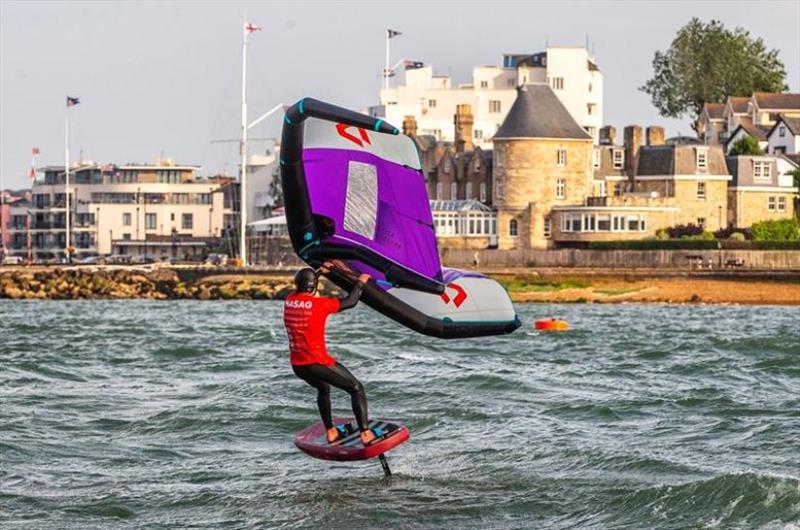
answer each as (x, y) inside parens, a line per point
(313, 442)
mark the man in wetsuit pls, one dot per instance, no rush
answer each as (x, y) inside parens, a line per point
(304, 315)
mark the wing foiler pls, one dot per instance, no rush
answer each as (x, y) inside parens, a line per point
(354, 191)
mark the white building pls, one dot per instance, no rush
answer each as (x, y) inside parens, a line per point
(431, 99)
(784, 137)
(118, 209)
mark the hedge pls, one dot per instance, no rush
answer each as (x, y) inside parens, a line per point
(692, 244)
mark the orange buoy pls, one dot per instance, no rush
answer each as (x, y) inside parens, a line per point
(551, 324)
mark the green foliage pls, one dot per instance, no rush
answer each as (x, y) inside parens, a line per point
(693, 244)
(737, 236)
(746, 146)
(796, 174)
(708, 63)
(780, 230)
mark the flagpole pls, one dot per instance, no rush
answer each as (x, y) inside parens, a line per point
(243, 152)
(66, 181)
(386, 69)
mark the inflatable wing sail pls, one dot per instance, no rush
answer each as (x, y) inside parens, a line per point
(354, 190)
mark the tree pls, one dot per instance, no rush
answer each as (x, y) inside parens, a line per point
(795, 173)
(708, 63)
(746, 146)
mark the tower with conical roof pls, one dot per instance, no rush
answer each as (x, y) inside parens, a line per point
(542, 160)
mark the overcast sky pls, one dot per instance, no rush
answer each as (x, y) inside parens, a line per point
(164, 77)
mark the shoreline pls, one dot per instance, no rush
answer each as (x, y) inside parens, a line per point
(525, 285)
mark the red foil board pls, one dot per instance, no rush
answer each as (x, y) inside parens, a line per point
(311, 441)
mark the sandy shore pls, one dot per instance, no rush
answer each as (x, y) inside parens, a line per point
(671, 290)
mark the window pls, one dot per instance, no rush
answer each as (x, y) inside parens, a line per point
(483, 192)
(448, 165)
(498, 187)
(701, 222)
(603, 222)
(432, 103)
(484, 84)
(633, 223)
(453, 191)
(126, 219)
(618, 158)
(498, 156)
(172, 216)
(187, 221)
(126, 237)
(781, 204)
(589, 222)
(571, 222)
(771, 203)
(596, 158)
(701, 191)
(494, 106)
(469, 191)
(590, 87)
(548, 228)
(782, 131)
(512, 228)
(439, 191)
(561, 189)
(702, 159)
(561, 157)
(478, 134)
(150, 221)
(590, 108)
(762, 170)
(557, 83)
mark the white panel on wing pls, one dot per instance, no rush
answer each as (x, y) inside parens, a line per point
(361, 199)
(396, 148)
(466, 299)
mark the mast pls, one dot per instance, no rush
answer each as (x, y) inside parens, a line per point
(243, 152)
(67, 248)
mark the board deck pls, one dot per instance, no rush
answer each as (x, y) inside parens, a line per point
(312, 441)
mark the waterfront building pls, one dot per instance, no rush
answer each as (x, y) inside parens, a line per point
(542, 159)
(762, 189)
(128, 209)
(432, 99)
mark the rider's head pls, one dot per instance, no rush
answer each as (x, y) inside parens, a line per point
(305, 280)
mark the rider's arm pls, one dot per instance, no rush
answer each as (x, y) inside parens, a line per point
(351, 299)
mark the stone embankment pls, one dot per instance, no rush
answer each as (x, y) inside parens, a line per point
(156, 284)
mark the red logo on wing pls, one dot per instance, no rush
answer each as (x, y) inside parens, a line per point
(341, 128)
(461, 295)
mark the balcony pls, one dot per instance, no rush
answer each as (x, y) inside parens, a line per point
(596, 201)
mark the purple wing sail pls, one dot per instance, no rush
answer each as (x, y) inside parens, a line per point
(373, 193)
(354, 191)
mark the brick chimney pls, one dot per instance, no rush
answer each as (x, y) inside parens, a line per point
(655, 135)
(633, 142)
(409, 126)
(608, 135)
(463, 125)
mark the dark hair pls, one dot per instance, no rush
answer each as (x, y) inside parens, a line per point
(305, 280)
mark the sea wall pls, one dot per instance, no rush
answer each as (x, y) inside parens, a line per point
(156, 284)
(627, 259)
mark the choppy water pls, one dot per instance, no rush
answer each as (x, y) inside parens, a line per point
(181, 414)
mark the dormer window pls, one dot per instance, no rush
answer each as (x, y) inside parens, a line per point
(619, 158)
(701, 159)
(484, 84)
(762, 170)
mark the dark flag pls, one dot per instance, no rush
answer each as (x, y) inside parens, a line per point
(412, 65)
(392, 33)
(71, 102)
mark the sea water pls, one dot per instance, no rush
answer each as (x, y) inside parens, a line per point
(137, 414)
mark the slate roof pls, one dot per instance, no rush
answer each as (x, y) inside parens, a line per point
(770, 100)
(538, 113)
(739, 104)
(679, 160)
(714, 110)
(793, 124)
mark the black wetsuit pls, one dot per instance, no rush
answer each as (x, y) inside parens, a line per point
(323, 377)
